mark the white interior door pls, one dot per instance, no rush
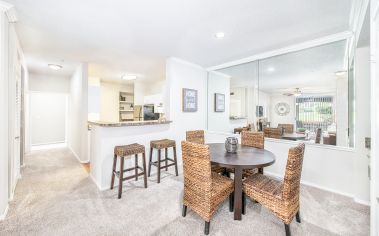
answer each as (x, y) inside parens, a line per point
(48, 116)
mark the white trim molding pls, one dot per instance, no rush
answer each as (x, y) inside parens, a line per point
(77, 157)
(293, 48)
(306, 183)
(4, 214)
(9, 10)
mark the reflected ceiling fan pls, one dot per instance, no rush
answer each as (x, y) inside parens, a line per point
(297, 92)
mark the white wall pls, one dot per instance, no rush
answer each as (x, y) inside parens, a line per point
(181, 74)
(342, 111)
(94, 99)
(3, 114)
(264, 99)
(276, 119)
(48, 118)
(110, 100)
(218, 121)
(362, 125)
(149, 92)
(78, 127)
(48, 83)
(43, 92)
(11, 62)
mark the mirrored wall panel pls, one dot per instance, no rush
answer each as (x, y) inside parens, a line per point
(239, 86)
(303, 95)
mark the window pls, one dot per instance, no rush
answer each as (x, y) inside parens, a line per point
(314, 112)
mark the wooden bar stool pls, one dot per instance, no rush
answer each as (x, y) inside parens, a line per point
(162, 144)
(122, 152)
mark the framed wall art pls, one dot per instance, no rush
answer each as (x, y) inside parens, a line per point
(219, 102)
(189, 100)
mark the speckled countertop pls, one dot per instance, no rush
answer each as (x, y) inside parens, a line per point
(128, 123)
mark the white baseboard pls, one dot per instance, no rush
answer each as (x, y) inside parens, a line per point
(4, 214)
(77, 157)
(366, 203)
(323, 188)
(98, 186)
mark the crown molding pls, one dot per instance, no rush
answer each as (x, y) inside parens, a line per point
(293, 48)
(9, 10)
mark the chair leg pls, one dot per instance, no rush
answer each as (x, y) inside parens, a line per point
(144, 169)
(159, 166)
(113, 170)
(260, 171)
(166, 156)
(136, 166)
(121, 177)
(228, 174)
(176, 161)
(243, 203)
(206, 229)
(288, 230)
(231, 202)
(150, 160)
(184, 211)
(298, 217)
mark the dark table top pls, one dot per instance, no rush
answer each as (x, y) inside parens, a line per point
(293, 136)
(245, 157)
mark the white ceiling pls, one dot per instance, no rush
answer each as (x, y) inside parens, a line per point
(311, 70)
(125, 36)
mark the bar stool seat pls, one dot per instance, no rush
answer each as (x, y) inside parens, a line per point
(159, 145)
(163, 143)
(122, 152)
(127, 150)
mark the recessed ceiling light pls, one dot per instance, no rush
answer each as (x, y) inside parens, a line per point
(340, 73)
(270, 69)
(129, 77)
(55, 66)
(220, 35)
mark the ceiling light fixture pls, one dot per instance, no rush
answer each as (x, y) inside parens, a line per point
(297, 93)
(220, 35)
(129, 77)
(54, 66)
(270, 69)
(340, 73)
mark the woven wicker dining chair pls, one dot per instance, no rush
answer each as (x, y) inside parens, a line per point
(204, 190)
(281, 197)
(253, 139)
(288, 128)
(272, 133)
(318, 135)
(197, 136)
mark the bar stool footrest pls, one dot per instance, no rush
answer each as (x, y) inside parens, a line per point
(117, 173)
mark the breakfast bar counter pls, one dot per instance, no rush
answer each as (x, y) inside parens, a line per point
(128, 123)
(104, 136)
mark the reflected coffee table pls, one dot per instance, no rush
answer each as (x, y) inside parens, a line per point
(245, 158)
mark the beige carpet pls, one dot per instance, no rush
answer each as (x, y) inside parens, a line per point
(56, 197)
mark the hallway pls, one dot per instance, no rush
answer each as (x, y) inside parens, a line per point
(57, 197)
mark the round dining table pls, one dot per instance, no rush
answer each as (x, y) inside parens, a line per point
(244, 158)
